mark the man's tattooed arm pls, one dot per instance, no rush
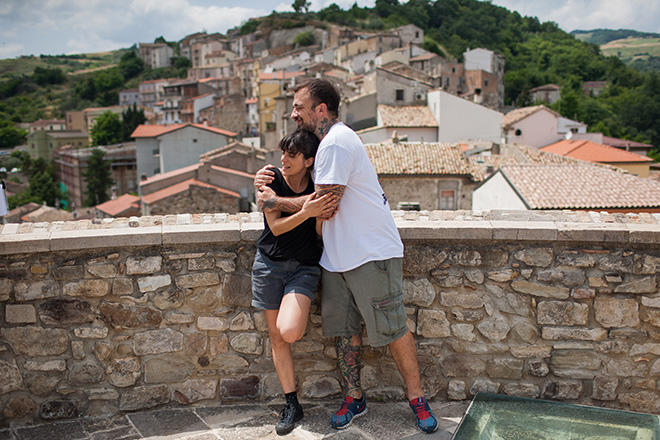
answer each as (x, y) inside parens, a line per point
(337, 190)
(268, 201)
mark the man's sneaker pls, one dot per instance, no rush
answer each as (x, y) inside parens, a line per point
(350, 408)
(291, 414)
(426, 421)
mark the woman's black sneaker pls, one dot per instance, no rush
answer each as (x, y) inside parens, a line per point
(291, 414)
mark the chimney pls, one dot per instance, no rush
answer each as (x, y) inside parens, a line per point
(395, 137)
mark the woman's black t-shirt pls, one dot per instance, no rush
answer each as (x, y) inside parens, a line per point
(300, 243)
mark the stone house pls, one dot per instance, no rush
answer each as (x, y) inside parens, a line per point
(460, 119)
(192, 108)
(156, 55)
(482, 88)
(410, 34)
(549, 93)
(410, 123)
(174, 95)
(71, 164)
(128, 97)
(593, 152)
(221, 182)
(424, 176)
(566, 187)
(44, 144)
(270, 86)
(161, 149)
(538, 126)
(48, 125)
(381, 86)
(430, 63)
(227, 111)
(151, 91)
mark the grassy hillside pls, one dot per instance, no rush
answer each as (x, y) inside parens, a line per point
(640, 50)
(632, 48)
(70, 64)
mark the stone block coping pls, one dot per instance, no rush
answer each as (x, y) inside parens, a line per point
(464, 226)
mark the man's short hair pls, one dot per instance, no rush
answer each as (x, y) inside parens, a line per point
(322, 91)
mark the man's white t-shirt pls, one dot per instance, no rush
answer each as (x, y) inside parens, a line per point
(363, 229)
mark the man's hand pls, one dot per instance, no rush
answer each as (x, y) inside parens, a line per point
(266, 199)
(264, 176)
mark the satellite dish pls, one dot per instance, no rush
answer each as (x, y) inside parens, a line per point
(569, 135)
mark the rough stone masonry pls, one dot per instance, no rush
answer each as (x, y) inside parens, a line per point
(99, 318)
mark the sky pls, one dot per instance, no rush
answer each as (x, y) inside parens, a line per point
(53, 27)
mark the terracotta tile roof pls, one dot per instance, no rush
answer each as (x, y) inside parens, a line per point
(47, 214)
(181, 187)
(233, 146)
(425, 56)
(120, 204)
(521, 113)
(169, 174)
(147, 131)
(622, 143)
(232, 171)
(552, 87)
(251, 101)
(412, 158)
(523, 155)
(565, 186)
(41, 122)
(406, 116)
(593, 152)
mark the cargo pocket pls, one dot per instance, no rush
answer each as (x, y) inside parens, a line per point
(390, 315)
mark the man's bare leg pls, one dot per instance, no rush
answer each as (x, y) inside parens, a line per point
(404, 353)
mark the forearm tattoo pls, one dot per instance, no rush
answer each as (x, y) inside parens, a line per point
(285, 204)
(348, 356)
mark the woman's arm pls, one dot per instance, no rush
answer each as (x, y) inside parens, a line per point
(314, 206)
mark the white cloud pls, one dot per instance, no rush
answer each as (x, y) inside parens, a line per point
(9, 50)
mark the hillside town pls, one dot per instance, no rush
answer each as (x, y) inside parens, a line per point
(436, 130)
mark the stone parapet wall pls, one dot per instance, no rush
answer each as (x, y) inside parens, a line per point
(120, 315)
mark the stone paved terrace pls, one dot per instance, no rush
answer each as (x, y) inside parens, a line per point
(129, 316)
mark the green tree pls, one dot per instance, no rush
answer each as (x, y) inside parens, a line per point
(130, 65)
(45, 76)
(107, 130)
(131, 118)
(98, 178)
(42, 183)
(10, 136)
(299, 5)
(304, 38)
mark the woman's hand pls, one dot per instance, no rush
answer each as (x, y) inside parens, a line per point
(316, 206)
(264, 176)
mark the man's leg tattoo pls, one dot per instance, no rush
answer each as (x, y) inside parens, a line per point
(348, 355)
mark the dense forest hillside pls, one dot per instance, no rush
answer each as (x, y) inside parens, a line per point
(536, 54)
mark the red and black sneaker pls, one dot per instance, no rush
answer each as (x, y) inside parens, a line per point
(426, 421)
(350, 408)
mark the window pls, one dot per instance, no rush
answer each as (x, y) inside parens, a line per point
(270, 126)
(485, 83)
(194, 141)
(518, 132)
(447, 200)
(399, 94)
